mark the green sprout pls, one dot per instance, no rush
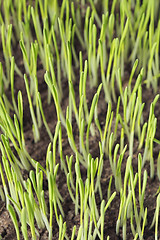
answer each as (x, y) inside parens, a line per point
(94, 54)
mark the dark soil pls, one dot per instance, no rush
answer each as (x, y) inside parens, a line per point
(38, 152)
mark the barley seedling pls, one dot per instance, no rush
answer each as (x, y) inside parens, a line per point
(35, 124)
(14, 220)
(38, 31)
(158, 166)
(57, 62)
(6, 35)
(148, 150)
(156, 217)
(95, 13)
(77, 24)
(13, 132)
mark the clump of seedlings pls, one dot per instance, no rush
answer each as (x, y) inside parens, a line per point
(89, 44)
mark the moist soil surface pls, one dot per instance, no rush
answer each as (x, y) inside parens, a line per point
(38, 153)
